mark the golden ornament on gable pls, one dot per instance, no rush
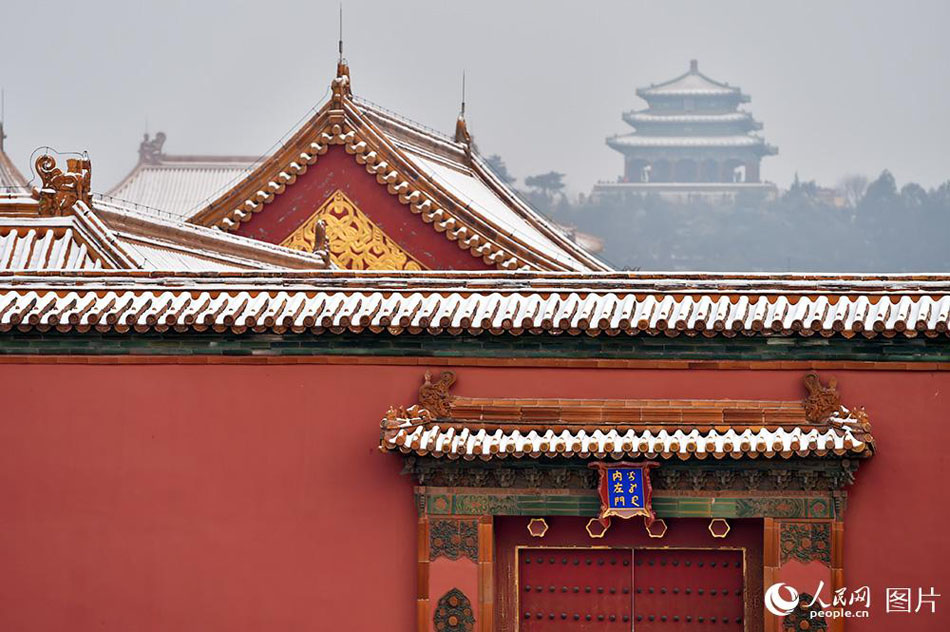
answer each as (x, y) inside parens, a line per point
(354, 241)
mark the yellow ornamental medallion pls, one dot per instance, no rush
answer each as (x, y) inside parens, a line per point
(356, 243)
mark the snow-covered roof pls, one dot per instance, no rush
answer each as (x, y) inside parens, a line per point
(172, 244)
(519, 303)
(180, 185)
(10, 177)
(55, 243)
(441, 181)
(621, 439)
(63, 227)
(690, 83)
(679, 117)
(639, 140)
(443, 425)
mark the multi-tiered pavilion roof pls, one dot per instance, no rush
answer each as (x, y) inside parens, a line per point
(692, 138)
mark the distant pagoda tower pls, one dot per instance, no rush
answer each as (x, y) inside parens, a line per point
(692, 140)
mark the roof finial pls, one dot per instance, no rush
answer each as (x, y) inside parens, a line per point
(60, 191)
(150, 151)
(341, 84)
(693, 65)
(461, 129)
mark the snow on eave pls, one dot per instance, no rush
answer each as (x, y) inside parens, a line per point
(455, 155)
(211, 243)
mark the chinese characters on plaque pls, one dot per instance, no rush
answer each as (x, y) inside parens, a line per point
(625, 491)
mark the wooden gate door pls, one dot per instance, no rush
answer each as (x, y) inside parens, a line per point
(688, 589)
(576, 590)
(662, 590)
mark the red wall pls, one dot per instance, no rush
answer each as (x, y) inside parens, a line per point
(253, 497)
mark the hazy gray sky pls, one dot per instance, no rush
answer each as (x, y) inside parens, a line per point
(841, 86)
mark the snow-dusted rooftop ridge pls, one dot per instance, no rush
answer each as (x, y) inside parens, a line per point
(640, 140)
(10, 176)
(458, 441)
(55, 243)
(649, 116)
(440, 180)
(465, 175)
(690, 83)
(178, 185)
(394, 304)
(110, 235)
(152, 232)
(825, 286)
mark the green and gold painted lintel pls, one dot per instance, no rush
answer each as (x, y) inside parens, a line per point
(443, 501)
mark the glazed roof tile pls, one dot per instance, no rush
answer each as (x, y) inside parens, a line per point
(446, 426)
(10, 176)
(640, 140)
(61, 226)
(439, 179)
(516, 303)
(681, 118)
(54, 246)
(179, 185)
(174, 245)
(690, 83)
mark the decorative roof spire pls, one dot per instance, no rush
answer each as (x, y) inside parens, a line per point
(461, 129)
(150, 151)
(693, 65)
(341, 83)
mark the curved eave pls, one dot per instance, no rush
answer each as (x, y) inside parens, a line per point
(742, 120)
(455, 303)
(659, 93)
(633, 142)
(446, 439)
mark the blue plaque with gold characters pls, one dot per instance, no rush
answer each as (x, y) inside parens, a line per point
(625, 490)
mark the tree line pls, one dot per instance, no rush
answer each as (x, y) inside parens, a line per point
(863, 226)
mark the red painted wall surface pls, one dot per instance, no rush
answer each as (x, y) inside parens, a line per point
(228, 497)
(338, 170)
